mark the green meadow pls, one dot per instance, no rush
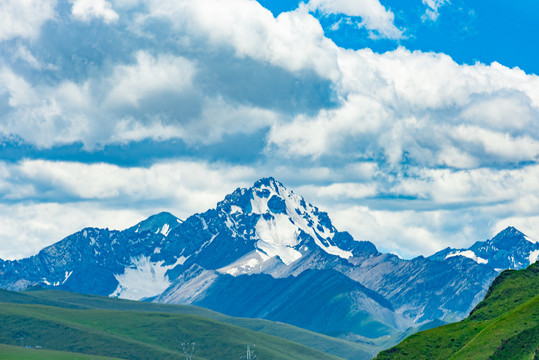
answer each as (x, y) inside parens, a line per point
(108, 327)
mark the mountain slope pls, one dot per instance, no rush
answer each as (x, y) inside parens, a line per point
(503, 326)
(338, 302)
(338, 347)
(134, 334)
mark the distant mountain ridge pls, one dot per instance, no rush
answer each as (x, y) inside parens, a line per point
(263, 250)
(510, 249)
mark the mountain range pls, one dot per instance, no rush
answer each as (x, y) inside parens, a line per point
(265, 252)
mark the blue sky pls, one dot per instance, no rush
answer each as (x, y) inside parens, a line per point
(414, 123)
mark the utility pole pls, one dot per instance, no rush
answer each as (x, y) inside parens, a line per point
(188, 350)
(250, 354)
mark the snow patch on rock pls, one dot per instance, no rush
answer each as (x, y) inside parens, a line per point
(67, 275)
(281, 231)
(143, 278)
(470, 255)
(251, 263)
(533, 256)
(188, 287)
(164, 230)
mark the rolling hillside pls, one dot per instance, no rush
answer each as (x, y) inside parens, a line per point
(505, 325)
(128, 329)
(10, 352)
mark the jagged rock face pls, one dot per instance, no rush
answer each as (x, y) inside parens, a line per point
(422, 289)
(265, 252)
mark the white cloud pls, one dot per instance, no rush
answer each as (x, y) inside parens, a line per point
(467, 187)
(360, 117)
(87, 10)
(432, 13)
(452, 207)
(24, 18)
(26, 228)
(219, 118)
(37, 115)
(507, 112)
(49, 200)
(25, 55)
(429, 135)
(19, 91)
(374, 16)
(400, 105)
(178, 180)
(20, 53)
(361, 172)
(339, 191)
(408, 233)
(156, 97)
(423, 108)
(430, 209)
(149, 77)
(294, 40)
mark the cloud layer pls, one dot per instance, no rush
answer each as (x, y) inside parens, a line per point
(408, 149)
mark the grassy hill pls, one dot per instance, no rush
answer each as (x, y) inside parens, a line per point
(104, 326)
(327, 344)
(505, 325)
(9, 352)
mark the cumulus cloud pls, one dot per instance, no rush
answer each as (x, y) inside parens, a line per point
(150, 97)
(148, 77)
(408, 149)
(70, 112)
(402, 232)
(294, 40)
(87, 10)
(338, 191)
(421, 108)
(24, 18)
(375, 17)
(397, 107)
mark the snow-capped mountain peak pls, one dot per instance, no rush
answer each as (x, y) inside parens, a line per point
(509, 249)
(284, 222)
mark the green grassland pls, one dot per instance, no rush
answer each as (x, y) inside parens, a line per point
(9, 352)
(503, 326)
(137, 335)
(338, 347)
(87, 324)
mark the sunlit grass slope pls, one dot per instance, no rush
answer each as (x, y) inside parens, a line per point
(505, 325)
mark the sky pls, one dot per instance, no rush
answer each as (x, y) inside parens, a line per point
(413, 123)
